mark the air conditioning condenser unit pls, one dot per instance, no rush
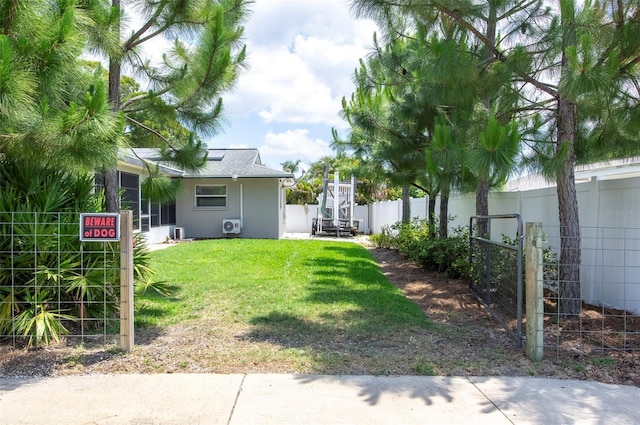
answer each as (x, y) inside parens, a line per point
(231, 225)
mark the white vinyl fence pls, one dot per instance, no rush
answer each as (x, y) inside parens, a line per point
(299, 218)
(609, 218)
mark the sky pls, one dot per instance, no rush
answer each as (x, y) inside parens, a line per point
(302, 55)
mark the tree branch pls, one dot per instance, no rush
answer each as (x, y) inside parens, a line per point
(153, 131)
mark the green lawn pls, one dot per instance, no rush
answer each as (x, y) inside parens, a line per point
(332, 284)
(316, 304)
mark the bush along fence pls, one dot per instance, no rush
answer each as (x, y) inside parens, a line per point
(55, 288)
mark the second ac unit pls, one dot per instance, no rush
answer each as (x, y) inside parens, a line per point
(231, 225)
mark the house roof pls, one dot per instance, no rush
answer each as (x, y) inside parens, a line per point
(224, 163)
(238, 163)
(136, 157)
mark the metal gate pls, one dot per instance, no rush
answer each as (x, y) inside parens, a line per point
(496, 268)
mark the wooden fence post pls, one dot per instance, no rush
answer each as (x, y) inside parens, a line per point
(126, 280)
(534, 295)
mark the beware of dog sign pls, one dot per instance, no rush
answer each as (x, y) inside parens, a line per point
(99, 227)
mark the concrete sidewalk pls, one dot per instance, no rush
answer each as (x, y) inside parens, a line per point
(312, 399)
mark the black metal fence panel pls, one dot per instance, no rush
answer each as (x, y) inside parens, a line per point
(496, 271)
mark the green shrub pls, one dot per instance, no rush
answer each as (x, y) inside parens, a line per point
(451, 255)
(417, 241)
(384, 239)
(447, 255)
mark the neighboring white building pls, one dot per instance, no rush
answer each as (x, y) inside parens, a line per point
(606, 170)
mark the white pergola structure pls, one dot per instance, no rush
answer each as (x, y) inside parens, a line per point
(341, 196)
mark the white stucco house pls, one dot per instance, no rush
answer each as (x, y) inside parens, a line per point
(234, 195)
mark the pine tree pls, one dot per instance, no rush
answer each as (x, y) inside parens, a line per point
(203, 62)
(53, 106)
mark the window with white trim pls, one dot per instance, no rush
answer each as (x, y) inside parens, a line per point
(211, 196)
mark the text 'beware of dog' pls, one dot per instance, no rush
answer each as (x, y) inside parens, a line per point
(99, 227)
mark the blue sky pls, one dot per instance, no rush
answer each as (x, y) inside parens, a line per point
(302, 55)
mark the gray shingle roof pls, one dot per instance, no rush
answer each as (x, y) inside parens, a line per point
(237, 162)
(136, 157)
(227, 163)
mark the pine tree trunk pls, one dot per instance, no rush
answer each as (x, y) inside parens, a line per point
(569, 284)
(444, 214)
(482, 189)
(406, 205)
(432, 214)
(569, 280)
(482, 207)
(111, 198)
(111, 175)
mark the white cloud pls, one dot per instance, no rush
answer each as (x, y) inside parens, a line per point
(292, 145)
(302, 55)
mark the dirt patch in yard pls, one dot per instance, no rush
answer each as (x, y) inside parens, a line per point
(465, 340)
